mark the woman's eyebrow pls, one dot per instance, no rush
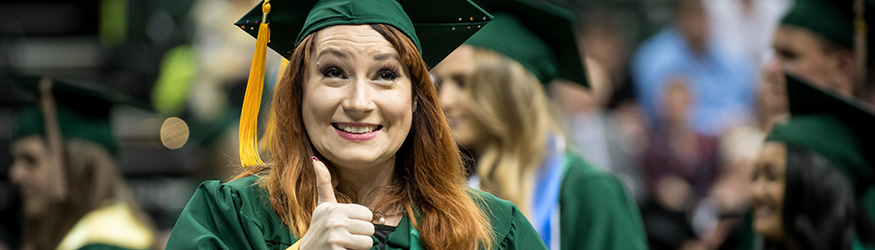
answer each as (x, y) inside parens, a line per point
(334, 52)
(384, 56)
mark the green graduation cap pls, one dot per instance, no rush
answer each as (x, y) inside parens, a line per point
(539, 35)
(82, 111)
(437, 27)
(838, 128)
(833, 20)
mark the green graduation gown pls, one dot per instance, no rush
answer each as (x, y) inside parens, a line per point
(595, 212)
(238, 215)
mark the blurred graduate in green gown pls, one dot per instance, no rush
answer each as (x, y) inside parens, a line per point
(65, 165)
(492, 89)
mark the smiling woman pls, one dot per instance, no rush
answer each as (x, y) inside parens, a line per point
(360, 155)
(812, 174)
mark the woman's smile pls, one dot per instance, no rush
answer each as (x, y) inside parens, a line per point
(356, 131)
(763, 211)
(767, 193)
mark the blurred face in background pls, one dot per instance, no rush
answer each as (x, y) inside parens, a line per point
(358, 98)
(677, 101)
(769, 178)
(451, 77)
(801, 52)
(30, 171)
(692, 21)
(774, 88)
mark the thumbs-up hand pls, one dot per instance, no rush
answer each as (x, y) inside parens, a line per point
(335, 225)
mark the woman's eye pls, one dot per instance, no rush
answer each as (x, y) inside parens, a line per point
(459, 79)
(387, 75)
(772, 177)
(332, 72)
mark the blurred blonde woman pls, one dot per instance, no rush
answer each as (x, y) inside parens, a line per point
(492, 91)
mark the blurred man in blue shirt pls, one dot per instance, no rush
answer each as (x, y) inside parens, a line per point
(721, 84)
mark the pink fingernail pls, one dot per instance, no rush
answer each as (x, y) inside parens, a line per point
(314, 158)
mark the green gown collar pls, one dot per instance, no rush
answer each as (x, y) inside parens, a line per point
(405, 236)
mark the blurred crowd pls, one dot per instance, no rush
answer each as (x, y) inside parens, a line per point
(679, 117)
(681, 99)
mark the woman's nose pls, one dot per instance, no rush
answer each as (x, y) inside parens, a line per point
(17, 173)
(449, 96)
(757, 191)
(359, 100)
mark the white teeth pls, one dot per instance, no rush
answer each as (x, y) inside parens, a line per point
(356, 130)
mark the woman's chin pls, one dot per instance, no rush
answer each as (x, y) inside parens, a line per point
(356, 160)
(768, 229)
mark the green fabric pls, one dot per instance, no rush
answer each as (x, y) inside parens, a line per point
(82, 111)
(595, 210)
(436, 26)
(345, 12)
(73, 125)
(837, 128)
(747, 237)
(831, 19)
(238, 215)
(830, 138)
(868, 200)
(540, 36)
(859, 245)
(104, 247)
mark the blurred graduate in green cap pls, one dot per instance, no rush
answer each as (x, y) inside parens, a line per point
(812, 171)
(826, 42)
(492, 90)
(359, 154)
(64, 163)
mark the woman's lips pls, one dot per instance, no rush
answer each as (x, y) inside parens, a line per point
(761, 212)
(356, 131)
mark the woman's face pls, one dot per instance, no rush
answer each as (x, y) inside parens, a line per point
(768, 190)
(452, 75)
(30, 171)
(357, 103)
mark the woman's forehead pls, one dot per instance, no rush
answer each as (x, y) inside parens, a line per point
(32, 143)
(352, 40)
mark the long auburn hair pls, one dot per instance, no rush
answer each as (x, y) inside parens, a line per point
(428, 166)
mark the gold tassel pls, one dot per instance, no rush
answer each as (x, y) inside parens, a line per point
(248, 134)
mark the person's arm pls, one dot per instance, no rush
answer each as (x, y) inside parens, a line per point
(213, 220)
(596, 213)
